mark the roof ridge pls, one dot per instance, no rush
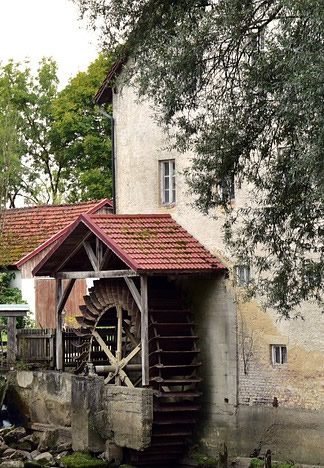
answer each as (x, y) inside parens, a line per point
(120, 216)
(54, 205)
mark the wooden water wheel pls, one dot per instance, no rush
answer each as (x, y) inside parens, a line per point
(110, 325)
(110, 318)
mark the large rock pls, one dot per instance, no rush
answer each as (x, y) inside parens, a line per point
(9, 453)
(3, 448)
(14, 435)
(12, 464)
(21, 455)
(34, 454)
(13, 454)
(32, 439)
(63, 447)
(45, 457)
(47, 441)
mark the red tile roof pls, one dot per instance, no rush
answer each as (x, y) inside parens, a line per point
(24, 229)
(146, 243)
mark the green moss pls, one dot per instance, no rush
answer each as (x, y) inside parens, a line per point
(204, 460)
(26, 445)
(82, 460)
(256, 462)
(282, 465)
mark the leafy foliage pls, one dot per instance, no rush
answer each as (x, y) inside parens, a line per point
(82, 134)
(12, 295)
(247, 109)
(9, 295)
(54, 146)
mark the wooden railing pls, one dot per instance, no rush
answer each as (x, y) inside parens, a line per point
(36, 346)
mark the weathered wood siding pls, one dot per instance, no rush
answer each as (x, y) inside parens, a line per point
(36, 346)
(27, 268)
(45, 302)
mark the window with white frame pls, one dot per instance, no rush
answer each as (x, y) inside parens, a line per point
(168, 182)
(242, 275)
(279, 354)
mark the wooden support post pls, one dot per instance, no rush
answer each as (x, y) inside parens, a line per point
(144, 332)
(65, 295)
(12, 341)
(59, 324)
(133, 289)
(119, 339)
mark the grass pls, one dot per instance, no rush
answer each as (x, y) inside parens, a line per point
(82, 460)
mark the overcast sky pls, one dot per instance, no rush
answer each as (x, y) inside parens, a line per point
(38, 28)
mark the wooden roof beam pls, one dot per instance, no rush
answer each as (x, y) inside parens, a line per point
(95, 274)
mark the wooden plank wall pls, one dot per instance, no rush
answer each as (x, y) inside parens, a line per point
(36, 346)
(45, 302)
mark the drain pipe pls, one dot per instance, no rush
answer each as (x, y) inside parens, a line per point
(113, 168)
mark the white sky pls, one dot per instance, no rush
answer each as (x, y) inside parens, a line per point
(39, 28)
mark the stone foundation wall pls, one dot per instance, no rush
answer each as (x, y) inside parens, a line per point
(44, 396)
(130, 414)
(101, 412)
(291, 435)
(99, 415)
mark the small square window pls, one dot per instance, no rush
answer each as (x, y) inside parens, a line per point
(279, 354)
(243, 275)
(168, 182)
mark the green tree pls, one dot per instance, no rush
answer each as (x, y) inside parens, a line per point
(82, 134)
(242, 82)
(54, 146)
(11, 145)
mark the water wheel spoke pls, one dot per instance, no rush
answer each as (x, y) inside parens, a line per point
(106, 350)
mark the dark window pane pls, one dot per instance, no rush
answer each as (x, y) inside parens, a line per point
(277, 354)
(283, 354)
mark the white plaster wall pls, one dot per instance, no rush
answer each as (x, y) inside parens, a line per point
(16, 282)
(140, 145)
(28, 294)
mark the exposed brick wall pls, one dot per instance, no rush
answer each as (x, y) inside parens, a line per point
(297, 384)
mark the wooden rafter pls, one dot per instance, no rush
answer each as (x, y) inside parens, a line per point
(91, 255)
(99, 252)
(134, 291)
(106, 257)
(73, 251)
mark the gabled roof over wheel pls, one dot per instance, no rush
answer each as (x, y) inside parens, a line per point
(148, 244)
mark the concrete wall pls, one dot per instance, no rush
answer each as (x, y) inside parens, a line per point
(45, 396)
(99, 415)
(228, 327)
